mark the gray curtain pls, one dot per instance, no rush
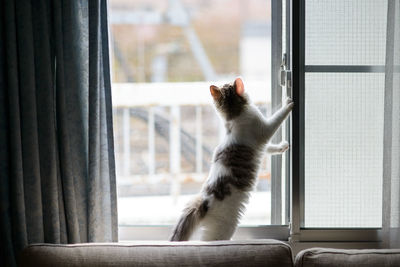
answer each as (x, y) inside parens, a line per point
(391, 153)
(57, 169)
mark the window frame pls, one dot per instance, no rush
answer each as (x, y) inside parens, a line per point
(295, 233)
(163, 232)
(279, 229)
(300, 235)
(275, 230)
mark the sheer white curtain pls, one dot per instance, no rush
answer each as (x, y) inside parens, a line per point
(391, 153)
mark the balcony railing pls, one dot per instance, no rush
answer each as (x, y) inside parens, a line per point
(142, 101)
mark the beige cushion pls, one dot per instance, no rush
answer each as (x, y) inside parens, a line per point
(326, 257)
(192, 253)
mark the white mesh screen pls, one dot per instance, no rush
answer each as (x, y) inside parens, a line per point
(343, 149)
(345, 32)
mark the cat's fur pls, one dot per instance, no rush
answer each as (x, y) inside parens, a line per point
(218, 207)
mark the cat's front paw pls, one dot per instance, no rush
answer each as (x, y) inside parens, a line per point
(283, 146)
(289, 103)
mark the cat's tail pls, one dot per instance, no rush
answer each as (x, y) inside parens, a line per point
(189, 219)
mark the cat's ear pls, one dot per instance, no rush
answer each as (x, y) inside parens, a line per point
(215, 92)
(239, 86)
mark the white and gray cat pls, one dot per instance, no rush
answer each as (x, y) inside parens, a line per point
(221, 202)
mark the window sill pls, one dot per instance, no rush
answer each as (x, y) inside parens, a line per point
(135, 232)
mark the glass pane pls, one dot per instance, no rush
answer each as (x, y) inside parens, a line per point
(345, 32)
(165, 55)
(343, 149)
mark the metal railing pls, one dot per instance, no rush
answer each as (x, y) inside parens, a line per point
(141, 101)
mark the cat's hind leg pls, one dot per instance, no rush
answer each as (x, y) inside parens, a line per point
(213, 228)
(190, 218)
(274, 149)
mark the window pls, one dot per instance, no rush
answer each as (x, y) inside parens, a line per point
(165, 55)
(344, 113)
(338, 127)
(329, 186)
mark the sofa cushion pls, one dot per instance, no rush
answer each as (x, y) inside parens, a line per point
(159, 253)
(327, 257)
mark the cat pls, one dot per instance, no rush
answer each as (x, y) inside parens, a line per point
(235, 163)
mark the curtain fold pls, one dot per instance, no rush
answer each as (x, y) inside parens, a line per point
(57, 169)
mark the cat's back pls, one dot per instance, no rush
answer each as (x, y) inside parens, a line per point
(235, 166)
(247, 128)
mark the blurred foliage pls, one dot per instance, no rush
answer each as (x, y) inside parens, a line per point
(217, 24)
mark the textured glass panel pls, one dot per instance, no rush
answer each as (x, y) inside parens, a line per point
(343, 149)
(345, 32)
